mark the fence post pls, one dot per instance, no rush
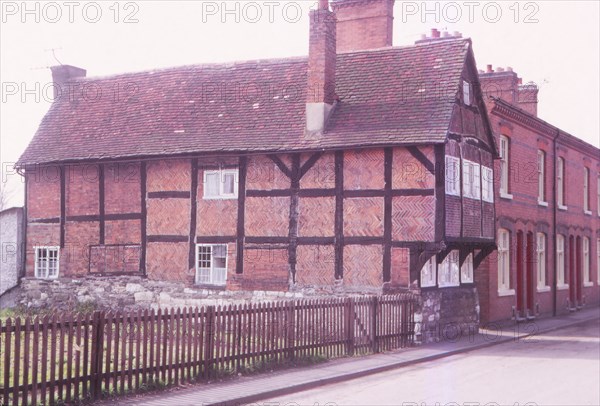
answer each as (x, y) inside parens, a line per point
(210, 341)
(374, 324)
(96, 356)
(291, 330)
(349, 316)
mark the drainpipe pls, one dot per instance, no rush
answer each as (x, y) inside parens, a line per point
(554, 211)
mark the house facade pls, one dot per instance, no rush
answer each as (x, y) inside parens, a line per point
(548, 210)
(11, 242)
(363, 168)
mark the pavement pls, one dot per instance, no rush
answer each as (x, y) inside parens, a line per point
(250, 389)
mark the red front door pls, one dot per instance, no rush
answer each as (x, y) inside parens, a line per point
(572, 274)
(520, 285)
(529, 275)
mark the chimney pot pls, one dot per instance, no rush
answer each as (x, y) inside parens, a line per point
(500, 69)
(446, 34)
(489, 69)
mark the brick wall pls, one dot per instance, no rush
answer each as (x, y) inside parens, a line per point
(523, 213)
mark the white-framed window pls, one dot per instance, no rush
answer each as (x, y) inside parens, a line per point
(211, 264)
(560, 261)
(504, 164)
(586, 190)
(471, 180)
(487, 183)
(541, 167)
(541, 260)
(560, 183)
(221, 184)
(503, 260)
(466, 269)
(452, 175)
(448, 270)
(428, 273)
(587, 277)
(47, 261)
(467, 92)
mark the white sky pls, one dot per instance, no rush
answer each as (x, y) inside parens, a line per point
(552, 43)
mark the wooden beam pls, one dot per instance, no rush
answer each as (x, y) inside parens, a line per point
(63, 206)
(310, 162)
(294, 213)
(143, 223)
(419, 156)
(171, 194)
(101, 203)
(241, 214)
(440, 193)
(193, 196)
(339, 214)
(168, 238)
(283, 167)
(387, 215)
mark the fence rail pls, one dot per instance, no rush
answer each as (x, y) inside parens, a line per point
(77, 357)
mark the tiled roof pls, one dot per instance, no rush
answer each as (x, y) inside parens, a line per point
(401, 95)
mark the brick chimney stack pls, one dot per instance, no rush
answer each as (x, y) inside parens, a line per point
(62, 74)
(363, 24)
(505, 84)
(320, 94)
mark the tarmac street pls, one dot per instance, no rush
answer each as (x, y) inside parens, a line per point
(561, 367)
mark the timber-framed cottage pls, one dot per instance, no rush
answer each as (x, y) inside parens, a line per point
(362, 168)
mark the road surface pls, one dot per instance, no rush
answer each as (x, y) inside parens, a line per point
(557, 368)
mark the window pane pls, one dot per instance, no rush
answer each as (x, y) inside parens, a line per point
(229, 184)
(211, 187)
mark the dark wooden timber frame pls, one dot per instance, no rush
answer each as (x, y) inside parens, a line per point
(192, 195)
(63, 206)
(420, 251)
(241, 232)
(143, 176)
(101, 205)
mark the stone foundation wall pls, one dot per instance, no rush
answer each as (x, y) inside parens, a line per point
(132, 292)
(447, 314)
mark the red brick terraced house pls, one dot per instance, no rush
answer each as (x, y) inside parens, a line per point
(547, 210)
(361, 168)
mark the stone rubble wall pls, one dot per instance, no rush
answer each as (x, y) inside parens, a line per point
(131, 292)
(447, 314)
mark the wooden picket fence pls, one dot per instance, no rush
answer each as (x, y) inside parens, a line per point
(70, 358)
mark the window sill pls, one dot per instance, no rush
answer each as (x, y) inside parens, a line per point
(209, 286)
(543, 204)
(220, 197)
(509, 292)
(561, 207)
(448, 286)
(507, 196)
(588, 284)
(543, 289)
(562, 287)
(587, 212)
